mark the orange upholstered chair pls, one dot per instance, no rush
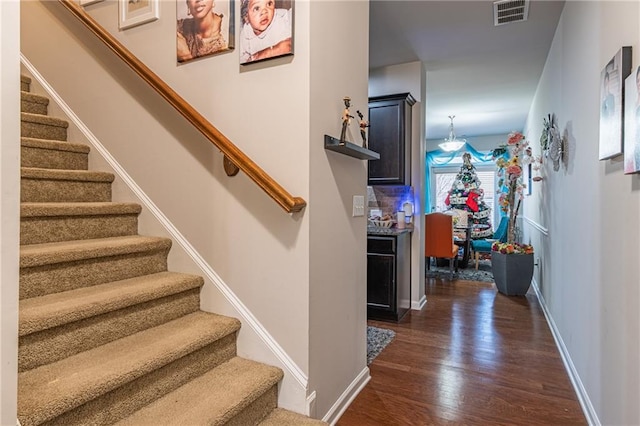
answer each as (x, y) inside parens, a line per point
(438, 240)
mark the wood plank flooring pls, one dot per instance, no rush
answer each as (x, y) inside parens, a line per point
(472, 356)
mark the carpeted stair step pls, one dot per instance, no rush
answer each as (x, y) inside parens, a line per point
(47, 154)
(34, 104)
(56, 267)
(25, 83)
(52, 222)
(59, 325)
(238, 392)
(49, 186)
(282, 417)
(43, 127)
(110, 382)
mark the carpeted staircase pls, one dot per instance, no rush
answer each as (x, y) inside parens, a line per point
(107, 334)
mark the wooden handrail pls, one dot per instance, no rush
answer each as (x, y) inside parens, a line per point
(288, 202)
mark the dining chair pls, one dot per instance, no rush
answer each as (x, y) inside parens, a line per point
(438, 241)
(484, 245)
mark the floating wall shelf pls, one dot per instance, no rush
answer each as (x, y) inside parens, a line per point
(350, 149)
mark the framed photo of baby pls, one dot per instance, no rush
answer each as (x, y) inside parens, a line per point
(204, 28)
(611, 97)
(632, 122)
(266, 29)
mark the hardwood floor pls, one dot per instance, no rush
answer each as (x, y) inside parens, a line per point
(473, 357)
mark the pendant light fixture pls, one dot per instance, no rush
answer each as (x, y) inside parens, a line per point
(452, 143)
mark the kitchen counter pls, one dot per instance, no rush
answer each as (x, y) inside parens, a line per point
(377, 230)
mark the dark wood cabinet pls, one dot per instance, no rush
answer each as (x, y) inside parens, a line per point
(390, 136)
(388, 276)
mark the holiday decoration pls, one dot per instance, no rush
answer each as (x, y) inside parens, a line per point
(466, 194)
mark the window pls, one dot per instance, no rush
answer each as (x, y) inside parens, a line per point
(444, 176)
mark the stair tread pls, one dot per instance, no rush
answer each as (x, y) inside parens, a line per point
(48, 391)
(43, 119)
(55, 145)
(73, 175)
(52, 310)
(25, 79)
(282, 417)
(77, 209)
(213, 398)
(32, 97)
(67, 251)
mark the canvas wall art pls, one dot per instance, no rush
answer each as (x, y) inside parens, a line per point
(204, 28)
(632, 123)
(611, 103)
(266, 29)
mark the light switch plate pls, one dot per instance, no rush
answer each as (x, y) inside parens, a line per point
(358, 205)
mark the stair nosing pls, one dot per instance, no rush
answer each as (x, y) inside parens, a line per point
(47, 120)
(34, 98)
(257, 380)
(56, 309)
(69, 251)
(94, 208)
(66, 175)
(54, 145)
(115, 364)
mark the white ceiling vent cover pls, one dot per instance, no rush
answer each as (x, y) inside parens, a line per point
(507, 11)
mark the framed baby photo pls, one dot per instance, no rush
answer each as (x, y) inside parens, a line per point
(136, 12)
(632, 122)
(204, 28)
(266, 30)
(611, 103)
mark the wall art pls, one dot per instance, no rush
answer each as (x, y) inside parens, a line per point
(266, 29)
(632, 123)
(136, 12)
(611, 103)
(204, 28)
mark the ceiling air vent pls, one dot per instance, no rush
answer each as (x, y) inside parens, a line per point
(507, 11)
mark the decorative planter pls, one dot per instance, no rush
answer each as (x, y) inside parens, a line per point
(512, 272)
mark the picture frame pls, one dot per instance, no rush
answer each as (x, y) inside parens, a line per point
(632, 123)
(132, 13)
(260, 40)
(612, 80)
(529, 179)
(217, 18)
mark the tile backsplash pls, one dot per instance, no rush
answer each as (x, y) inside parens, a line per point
(388, 198)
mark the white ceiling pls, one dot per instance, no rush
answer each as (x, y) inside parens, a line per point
(483, 74)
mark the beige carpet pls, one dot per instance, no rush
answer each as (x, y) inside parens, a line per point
(107, 334)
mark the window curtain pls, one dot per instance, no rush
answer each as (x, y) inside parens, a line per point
(441, 158)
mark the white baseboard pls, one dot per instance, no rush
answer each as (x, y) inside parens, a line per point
(347, 397)
(418, 305)
(581, 392)
(291, 369)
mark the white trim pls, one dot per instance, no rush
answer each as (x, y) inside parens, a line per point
(536, 225)
(342, 403)
(581, 392)
(418, 305)
(247, 317)
(311, 405)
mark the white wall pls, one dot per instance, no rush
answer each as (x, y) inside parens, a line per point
(273, 113)
(338, 268)
(9, 206)
(411, 78)
(583, 220)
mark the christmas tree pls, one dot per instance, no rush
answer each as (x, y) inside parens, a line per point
(466, 194)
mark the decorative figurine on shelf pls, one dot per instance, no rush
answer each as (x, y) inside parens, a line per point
(346, 119)
(363, 126)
